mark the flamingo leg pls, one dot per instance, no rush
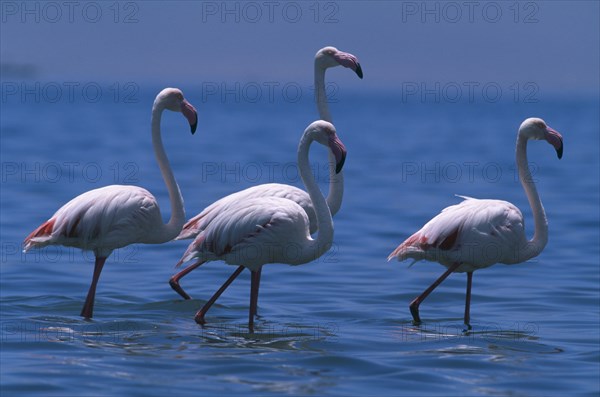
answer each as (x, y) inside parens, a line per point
(88, 306)
(414, 305)
(468, 300)
(199, 318)
(257, 276)
(254, 286)
(174, 280)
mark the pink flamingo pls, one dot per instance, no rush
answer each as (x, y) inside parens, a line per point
(115, 216)
(257, 231)
(325, 58)
(476, 234)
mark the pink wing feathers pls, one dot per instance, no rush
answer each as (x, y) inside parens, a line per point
(112, 216)
(250, 232)
(201, 221)
(475, 232)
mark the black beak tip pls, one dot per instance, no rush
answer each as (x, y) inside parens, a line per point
(194, 126)
(559, 151)
(340, 164)
(359, 71)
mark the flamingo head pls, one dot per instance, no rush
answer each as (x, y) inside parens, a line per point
(535, 128)
(172, 99)
(324, 133)
(328, 57)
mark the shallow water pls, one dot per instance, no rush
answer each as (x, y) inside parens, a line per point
(338, 326)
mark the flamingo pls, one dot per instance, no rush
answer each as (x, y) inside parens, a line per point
(257, 231)
(111, 217)
(325, 58)
(476, 234)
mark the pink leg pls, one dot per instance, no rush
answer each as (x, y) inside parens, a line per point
(88, 306)
(468, 300)
(414, 305)
(199, 318)
(254, 285)
(255, 304)
(174, 280)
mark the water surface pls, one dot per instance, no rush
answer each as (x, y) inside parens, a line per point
(337, 326)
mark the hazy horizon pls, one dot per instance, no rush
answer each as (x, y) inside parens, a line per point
(551, 45)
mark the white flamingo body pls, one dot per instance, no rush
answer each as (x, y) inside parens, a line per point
(476, 234)
(264, 230)
(325, 58)
(104, 219)
(277, 190)
(253, 233)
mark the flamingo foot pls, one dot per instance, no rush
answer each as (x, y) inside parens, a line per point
(174, 283)
(414, 310)
(199, 318)
(87, 312)
(174, 280)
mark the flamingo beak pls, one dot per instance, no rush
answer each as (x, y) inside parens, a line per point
(339, 151)
(358, 70)
(348, 60)
(555, 139)
(190, 114)
(559, 151)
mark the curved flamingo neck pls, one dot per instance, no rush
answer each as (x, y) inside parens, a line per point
(171, 229)
(320, 94)
(315, 247)
(336, 180)
(540, 237)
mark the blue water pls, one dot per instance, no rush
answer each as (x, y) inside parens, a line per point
(339, 326)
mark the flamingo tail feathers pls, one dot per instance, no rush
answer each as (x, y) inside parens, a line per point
(39, 235)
